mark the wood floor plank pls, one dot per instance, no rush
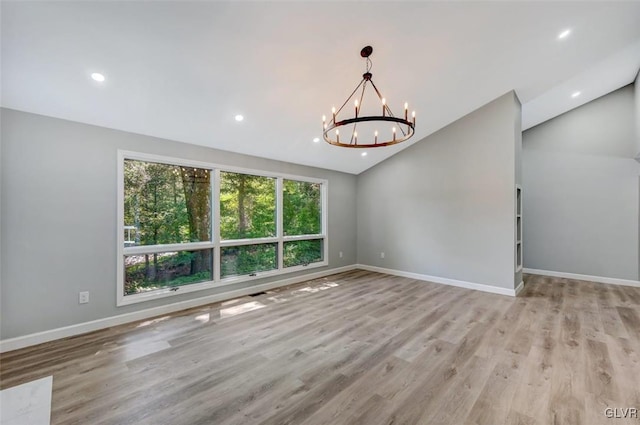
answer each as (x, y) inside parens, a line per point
(492, 405)
(631, 319)
(533, 391)
(457, 401)
(599, 371)
(568, 389)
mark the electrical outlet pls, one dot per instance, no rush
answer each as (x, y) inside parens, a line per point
(340, 254)
(382, 255)
(83, 297)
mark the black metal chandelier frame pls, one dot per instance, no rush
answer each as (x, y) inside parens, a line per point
(405, 126)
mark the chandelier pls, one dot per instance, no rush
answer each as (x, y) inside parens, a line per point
(376, 130)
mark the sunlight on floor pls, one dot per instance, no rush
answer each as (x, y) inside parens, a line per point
(152, 321)
(319, 288)
(277, 299)
(239, 309)
(203, 318)
(140, 349)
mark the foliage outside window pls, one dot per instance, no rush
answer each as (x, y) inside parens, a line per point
(298, 253)
(302, 208)
(248, 259)
(172, 237)
(167, 269)
(247, 206)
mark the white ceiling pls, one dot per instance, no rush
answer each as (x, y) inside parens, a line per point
(182, 71)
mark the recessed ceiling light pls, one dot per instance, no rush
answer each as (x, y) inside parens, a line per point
(576, 94)
(564, 34)
(364, 154)
(98, 77)
(239, 118)
(316, 140)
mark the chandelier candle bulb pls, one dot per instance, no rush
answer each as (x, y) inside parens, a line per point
(355, 137)
(333, 111)
(394, 133)
(356, 103)
(338, 136)
(406, 110)
(375, 136)
(413, 114)
(384, 106)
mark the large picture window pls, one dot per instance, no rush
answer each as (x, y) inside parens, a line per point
(186, 226)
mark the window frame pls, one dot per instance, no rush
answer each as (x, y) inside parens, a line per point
(215, 243)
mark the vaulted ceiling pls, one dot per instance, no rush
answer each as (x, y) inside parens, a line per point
(183, 70)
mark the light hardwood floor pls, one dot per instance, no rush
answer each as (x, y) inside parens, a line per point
(357, 348)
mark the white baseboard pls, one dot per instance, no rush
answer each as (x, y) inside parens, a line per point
(599, 279)
(520, 287)
(107, 322)
(443, 280)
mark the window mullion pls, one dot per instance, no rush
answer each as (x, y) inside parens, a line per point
(280, 220)
(303, 237)
(245, 242)
(156, 249)
(217, 252)
(324, 216)
(120, 225)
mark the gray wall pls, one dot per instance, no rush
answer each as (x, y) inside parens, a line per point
(581, 190)
(58, 218)
(1, 190)
(636, 86)
(445, 206)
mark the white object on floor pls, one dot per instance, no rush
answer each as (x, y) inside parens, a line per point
(27, 404)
